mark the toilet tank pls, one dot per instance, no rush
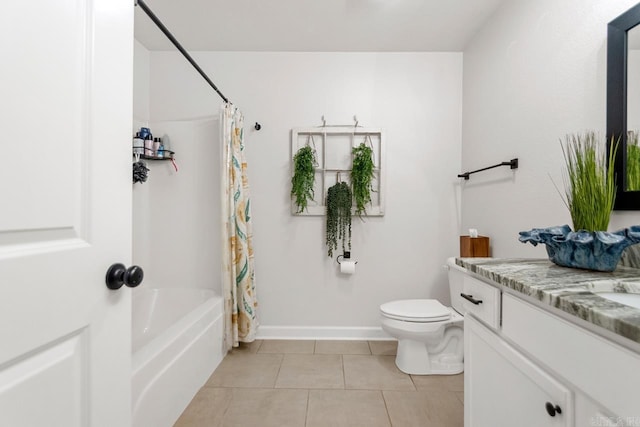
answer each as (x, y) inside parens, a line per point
(456, 280)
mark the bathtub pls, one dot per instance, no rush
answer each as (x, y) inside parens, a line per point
(177, 343)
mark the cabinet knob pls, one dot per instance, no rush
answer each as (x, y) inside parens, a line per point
(552, 409)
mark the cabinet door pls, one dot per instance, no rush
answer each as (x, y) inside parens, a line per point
(589, 413)
(503, 388)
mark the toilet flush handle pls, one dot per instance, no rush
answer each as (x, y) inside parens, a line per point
(470, 298)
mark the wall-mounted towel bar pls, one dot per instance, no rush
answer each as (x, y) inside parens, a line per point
(513, 163)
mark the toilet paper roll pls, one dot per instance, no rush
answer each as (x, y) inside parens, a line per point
(347, 267)
(473, 232)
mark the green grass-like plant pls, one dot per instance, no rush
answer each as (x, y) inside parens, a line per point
(361, 176)
(339, 202)
(589, 181)
(304, 175)
(633, 162)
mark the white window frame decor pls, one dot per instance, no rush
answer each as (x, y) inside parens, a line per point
(334, 156)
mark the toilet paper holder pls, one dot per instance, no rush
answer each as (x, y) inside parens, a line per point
(346, 255)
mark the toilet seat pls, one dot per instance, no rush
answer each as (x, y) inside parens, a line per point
(416, 310)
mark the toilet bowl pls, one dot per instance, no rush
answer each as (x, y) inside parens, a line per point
(430, 335)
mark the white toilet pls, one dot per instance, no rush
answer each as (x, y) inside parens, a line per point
(430, 335)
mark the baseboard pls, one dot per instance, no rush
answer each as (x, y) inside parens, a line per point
(322, 333)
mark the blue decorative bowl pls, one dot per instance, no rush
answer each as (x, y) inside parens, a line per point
(599, 250)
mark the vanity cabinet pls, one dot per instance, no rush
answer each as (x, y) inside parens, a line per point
(504, 388)
(604, 375)
(526, 366)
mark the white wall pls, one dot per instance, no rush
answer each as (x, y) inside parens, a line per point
(416, 98)
(534, 73)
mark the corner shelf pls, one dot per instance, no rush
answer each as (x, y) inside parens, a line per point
(144, 157)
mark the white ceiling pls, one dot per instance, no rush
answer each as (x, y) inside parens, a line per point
(315, 26)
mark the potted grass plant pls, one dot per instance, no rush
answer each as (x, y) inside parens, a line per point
(590, 191)
(590, 188)
(303, 179)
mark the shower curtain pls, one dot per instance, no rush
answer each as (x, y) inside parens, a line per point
(240, 300)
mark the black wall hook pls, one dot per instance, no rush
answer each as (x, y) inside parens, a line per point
(257, 126)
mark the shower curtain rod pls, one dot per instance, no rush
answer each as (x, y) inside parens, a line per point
(177, 44)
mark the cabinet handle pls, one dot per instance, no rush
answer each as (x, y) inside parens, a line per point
(470, 298)
(552, 410)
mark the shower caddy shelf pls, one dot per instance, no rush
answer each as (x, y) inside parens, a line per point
(155, 158)
(144, 157)
(333, 145)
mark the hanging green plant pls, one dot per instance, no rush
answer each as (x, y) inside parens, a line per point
(338, 217)
(361, 176)
(304, 174)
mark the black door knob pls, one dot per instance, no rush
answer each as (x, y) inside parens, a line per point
(118, 275)
(552, 409)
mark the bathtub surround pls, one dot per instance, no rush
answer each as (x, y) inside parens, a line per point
(174, 244)
(238, 268)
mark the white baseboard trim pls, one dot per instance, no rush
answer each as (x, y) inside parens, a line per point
(372, 333)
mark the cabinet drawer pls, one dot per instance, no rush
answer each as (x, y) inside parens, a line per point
(482, 300)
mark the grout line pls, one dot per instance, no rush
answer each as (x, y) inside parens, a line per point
(226, 408)
(413, 382)
(306, 412)
(275, 381)
(386, 408)
(344, 374)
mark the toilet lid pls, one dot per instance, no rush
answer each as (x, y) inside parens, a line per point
(416, 310)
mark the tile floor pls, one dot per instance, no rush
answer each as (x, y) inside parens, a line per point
(284, 383)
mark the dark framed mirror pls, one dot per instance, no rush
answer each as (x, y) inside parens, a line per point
(623, 104)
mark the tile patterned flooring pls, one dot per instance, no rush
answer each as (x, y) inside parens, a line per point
(286, 383)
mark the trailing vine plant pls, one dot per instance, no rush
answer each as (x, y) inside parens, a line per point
(361, 176)
(339, 203)
(303, 177)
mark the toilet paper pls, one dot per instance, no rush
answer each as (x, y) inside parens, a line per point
(347, 267)
(473, 232)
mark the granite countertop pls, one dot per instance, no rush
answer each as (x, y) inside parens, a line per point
(570, 290)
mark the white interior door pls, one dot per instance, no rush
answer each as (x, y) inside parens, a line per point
(65, 211)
